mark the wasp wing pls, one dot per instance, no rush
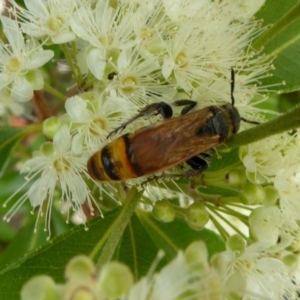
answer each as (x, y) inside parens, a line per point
(170, 142)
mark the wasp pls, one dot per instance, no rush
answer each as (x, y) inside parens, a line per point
(158, 147)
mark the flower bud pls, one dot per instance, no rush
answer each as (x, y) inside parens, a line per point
(196, 255)
(91, 96)
(265, 224)
(291, 260)
(80, 267)
(235, 287)
(163, 211)
(39, 288)
(271, 196)
(218, 262)
(51, 126)
(252, 194)
(295, 246)
(82, 294)
(35, 79)
(236, 243)
(197, 216)
(235, 178)
(47, 149)
(115, 280)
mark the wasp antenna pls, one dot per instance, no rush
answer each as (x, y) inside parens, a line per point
(232, 86)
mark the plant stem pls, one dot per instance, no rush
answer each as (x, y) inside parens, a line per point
(269, 34)
(230, 224)
(70, 61)
(54, 92)
(285, 122)
(119, 226)
(32, 129)
(79, 77)
(224, 234)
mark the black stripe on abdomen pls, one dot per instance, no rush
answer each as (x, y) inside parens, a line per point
(93, 168)
(108, 164)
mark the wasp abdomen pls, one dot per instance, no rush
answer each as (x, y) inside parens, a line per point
(112, 162)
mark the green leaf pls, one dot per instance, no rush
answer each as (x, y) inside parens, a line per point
(138, 248)
(145, 236)
(52, 258)
(11, 182)
(7, 232)
(9, 137)
(281, 40)
(273, 10)
(178, 235)
(225, 157)
(24, 241)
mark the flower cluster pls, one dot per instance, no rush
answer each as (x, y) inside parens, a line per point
(233, 274)
(124, 55)
(188, 273)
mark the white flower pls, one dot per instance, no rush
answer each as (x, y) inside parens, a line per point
(263, 159)
(19, 62)
(287, 183)
(54, 166)
(267, 225)
(137, 78)
(244, 10)
(176, 45)
(171, 281)
(183, 58)
(151, 24)
(205, 42)
(44, 19)
(182, 10)
(9, 105)
(177, 281)
(94, 118)
(106, 29)
(287, 178)
(266, 276)
(174, 281)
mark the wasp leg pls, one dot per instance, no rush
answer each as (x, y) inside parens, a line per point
(185, 175)
(161, 108)
(198, 165)
(189, 105)
(152, 178)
